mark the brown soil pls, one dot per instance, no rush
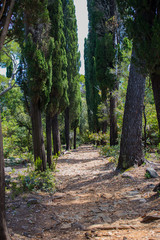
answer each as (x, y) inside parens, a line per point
(91, 202)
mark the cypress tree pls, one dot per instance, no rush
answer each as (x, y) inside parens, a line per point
(73, 60)
(100, 63)
(58, 96)
(36, 51)
(75, 107)
(92, 88)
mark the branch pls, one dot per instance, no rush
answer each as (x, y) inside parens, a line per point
(2, 10)
(6, 25)
(7, 89)
(10, 84)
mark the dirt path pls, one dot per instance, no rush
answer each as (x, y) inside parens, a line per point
(92, 202)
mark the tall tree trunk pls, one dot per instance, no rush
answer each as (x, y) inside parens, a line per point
(49, 138)
(3, 226)
(67, 128)
(75, 137)
(37, 134)
(155, 78)
(113, 121)
(56, 135)
(131, 140)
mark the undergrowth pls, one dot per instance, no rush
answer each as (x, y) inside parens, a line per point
(34, 179)
(111, 152)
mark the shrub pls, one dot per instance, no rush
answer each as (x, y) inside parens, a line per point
(111, 151)
(34, 180)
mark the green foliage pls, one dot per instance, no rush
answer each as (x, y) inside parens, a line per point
(33, 181)
(111, 152)
(37, 72)
(16, 125)
(92, 90)
(105, 57)
(38, 164)
(73, 61)
(143, 25)
(98, 138)
(54, 161)
(147, 175)
(58, 96)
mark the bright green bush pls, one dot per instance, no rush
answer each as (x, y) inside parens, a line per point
(33, 181)
(111, 151)
(99, 138)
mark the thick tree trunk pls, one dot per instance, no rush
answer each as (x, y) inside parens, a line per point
(3, 227)
(131, 140)
(113, 121)
(75, 137)
(56, 135)
(37, 134)
(155, 78)
(49, 139)
(67, 128)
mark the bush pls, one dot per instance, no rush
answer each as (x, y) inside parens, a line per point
(98, 138)
(111, 151)
(35, 180)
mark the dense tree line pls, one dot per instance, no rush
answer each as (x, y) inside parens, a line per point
(48, 73)
(49, 80)
(109, 23)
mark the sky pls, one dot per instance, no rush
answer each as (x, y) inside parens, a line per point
(82, 22)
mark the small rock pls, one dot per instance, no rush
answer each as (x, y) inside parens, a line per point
(132, 193)
(126, 175)
(142, 200)
(150, 218)
(8, 169)
(27, 235)
(152, 173)
(32, 201)
(157, 188)
(150, 186)
(65, 226)
(58, 195)
(124, 238)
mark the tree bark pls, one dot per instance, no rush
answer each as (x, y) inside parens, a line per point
(75, 137)
(131, 152)
(155, 78)
(113, 121)
(56, 135)
(67, 128)
(6, 24)
(49, 138)
(37, 134)
(3, 226)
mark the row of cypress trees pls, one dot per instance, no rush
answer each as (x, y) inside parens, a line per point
(46, 31)
(49, 72)
(140, 22)
(100, 60)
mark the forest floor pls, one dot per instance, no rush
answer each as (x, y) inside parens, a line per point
(91, 202)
